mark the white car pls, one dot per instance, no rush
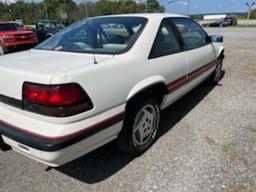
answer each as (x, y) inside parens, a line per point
(94, 82)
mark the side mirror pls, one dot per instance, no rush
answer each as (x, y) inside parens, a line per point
(217, 38)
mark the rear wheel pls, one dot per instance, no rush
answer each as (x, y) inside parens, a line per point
(140, 126)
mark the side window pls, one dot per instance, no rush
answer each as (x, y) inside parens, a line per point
(165, 42)
(193, 35)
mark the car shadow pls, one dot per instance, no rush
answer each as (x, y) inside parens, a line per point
(107, 160)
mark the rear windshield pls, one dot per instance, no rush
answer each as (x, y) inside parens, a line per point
(9, 27)
(109, 35)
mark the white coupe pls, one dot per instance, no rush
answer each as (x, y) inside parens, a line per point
(102, 79)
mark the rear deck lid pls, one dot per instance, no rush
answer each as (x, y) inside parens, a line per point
(38, 67)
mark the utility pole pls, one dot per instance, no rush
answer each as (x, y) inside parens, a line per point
(250, 6)
(45, 9)
(86, 8)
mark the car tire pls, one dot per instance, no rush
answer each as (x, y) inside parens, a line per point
(140, 126)
(1, 50)
(217, 74)
(49, 36)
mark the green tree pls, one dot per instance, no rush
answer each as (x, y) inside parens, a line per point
(30, 12)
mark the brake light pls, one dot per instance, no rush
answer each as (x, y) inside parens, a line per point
(56, 100)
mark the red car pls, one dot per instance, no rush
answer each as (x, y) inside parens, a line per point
(12, 36)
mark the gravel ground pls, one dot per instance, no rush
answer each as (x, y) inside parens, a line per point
(207, 142)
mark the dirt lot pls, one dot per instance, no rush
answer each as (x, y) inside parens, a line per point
(207, 142)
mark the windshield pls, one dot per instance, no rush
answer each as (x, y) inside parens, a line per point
(109, 35)
(9, 27)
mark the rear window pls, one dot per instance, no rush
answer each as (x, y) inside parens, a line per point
(106, 35)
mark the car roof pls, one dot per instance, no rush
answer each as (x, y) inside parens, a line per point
(146, 15)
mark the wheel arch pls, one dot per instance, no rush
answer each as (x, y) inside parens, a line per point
(152, 85)
(221, 52)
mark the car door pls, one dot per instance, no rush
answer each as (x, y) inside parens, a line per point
(199, 51)
(167, 58)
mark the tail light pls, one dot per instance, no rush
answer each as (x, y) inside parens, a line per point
(56, 100)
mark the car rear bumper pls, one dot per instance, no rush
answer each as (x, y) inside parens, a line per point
(67, 154)
(56, 143)
(57, 150)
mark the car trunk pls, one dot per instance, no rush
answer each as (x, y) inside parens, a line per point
(38, 67)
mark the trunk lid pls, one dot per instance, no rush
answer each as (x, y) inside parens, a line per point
(38, 67)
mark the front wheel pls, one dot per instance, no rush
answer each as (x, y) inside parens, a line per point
(140, 126)
(217, 74)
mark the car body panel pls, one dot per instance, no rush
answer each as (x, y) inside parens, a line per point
(195, 58)
(37, 70)
(145, 83)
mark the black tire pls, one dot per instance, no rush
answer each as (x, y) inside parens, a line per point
(128, 138)
(49, 36)
(218, 73)
(3, 146)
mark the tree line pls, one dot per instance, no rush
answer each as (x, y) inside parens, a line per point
(68, 11)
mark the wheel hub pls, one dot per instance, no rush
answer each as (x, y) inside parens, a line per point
(144, 125)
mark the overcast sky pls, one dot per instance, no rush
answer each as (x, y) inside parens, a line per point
(196, 6)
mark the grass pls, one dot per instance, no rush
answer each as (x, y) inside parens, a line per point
(251, 67)
(253, 130)
(226, 147)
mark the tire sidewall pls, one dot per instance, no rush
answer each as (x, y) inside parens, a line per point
(129, 125)
(214, 79)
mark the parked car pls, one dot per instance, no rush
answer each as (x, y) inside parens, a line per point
(227, 20)
(216, 24)
(13, 36)
(89, 84)
(231, 20)
(47, 28)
